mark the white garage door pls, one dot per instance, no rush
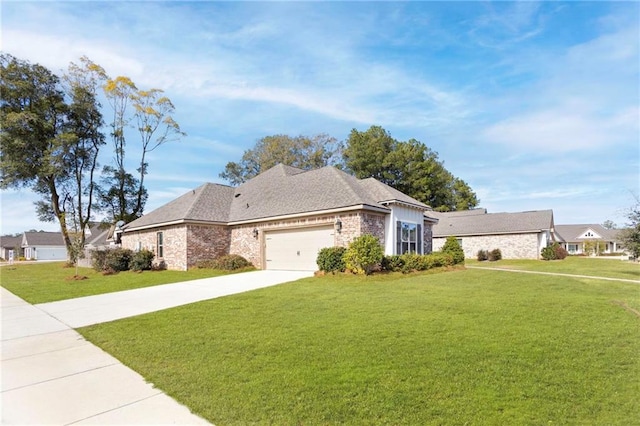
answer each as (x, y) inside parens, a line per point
(298, 249)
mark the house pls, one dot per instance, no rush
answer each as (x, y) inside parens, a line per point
(589, 239)
(280, 219)
(43, 246)
(8, 244)
(520, 235)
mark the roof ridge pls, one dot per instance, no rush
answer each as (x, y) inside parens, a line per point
(345, 177)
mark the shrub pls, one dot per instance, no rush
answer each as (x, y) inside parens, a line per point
(494, 255)
(118, 259)
(229, 262)
(141, 260)
(413, 262)
(392, 263)
(439, 259)
(330, 259)
(483, 255)
(99, 260)
(554, 252)
(452, 247)
(560, 251)
(363, 255)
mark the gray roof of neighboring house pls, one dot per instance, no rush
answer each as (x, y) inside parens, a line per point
(35, 239)
(279, 191)
(96, 235)
(478, 223)
(10, 242)
(571, 233)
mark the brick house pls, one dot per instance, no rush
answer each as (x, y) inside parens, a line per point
(280, 219)
(520, 235)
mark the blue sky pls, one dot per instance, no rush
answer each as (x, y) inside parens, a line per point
(534, 104)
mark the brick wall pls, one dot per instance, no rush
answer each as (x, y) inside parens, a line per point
(174, 244)
(427, 237)
(206, 242)
(512, 246)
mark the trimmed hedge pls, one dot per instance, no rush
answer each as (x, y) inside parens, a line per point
(411, 262)
(452, 247)
(331, 259)
(229, 262)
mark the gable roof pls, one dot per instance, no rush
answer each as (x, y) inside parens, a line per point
(207, 203)
(10, 242)
(571, 233)
(477, 223)
(31, 239)
(279, 191)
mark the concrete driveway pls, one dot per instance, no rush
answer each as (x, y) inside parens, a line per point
(52, 375)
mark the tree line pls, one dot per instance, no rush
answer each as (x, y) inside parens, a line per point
(53, 129)
(408, 166)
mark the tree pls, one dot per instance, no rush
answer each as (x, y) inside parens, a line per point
(302, 152)
(33, 116)
(51, 139)
(630, 236)
(609, 224)
(124, 195)
(410, 167)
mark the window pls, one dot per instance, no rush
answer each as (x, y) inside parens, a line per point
(159, 245)
(408, 238)
(572, 248)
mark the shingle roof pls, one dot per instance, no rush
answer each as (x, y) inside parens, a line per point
(570, 233)
(279, 191)
(10, 242)
(42, 239)
(491, 223)
(207, 203)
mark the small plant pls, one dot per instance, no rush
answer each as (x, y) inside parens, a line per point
(495, 255)
(331, 259)
(141, 260)
(363, 255)
(231, 262)
(413, 262)
(554, 252)
(392, 263)
(483, 255)
(118, 259)
(452, 247)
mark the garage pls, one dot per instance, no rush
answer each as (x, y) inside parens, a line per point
(296, 249)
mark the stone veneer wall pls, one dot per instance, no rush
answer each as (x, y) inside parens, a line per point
(512, 246)
(174, 244)
(206, 242)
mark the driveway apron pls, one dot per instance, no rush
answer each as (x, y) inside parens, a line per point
(52, 375)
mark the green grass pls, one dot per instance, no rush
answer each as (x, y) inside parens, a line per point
(49, 282)
(465, 347)
(601, 267)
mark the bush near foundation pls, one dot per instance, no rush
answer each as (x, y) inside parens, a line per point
(495, 255)
(554, 252)
(331, 259)
(483, 255)
(363, 255)
(452, 247)
(229, 262)
(142, 260)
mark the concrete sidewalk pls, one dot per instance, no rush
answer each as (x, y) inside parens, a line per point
(52, 375)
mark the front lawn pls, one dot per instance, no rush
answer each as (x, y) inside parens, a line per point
(610, 267)
(49, 282)
(464, 347)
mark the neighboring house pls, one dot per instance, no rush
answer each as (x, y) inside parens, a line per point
(95, 236)
(280, 219)
(43, 246)
(520, 235)
(10, 243)
(574, 237)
